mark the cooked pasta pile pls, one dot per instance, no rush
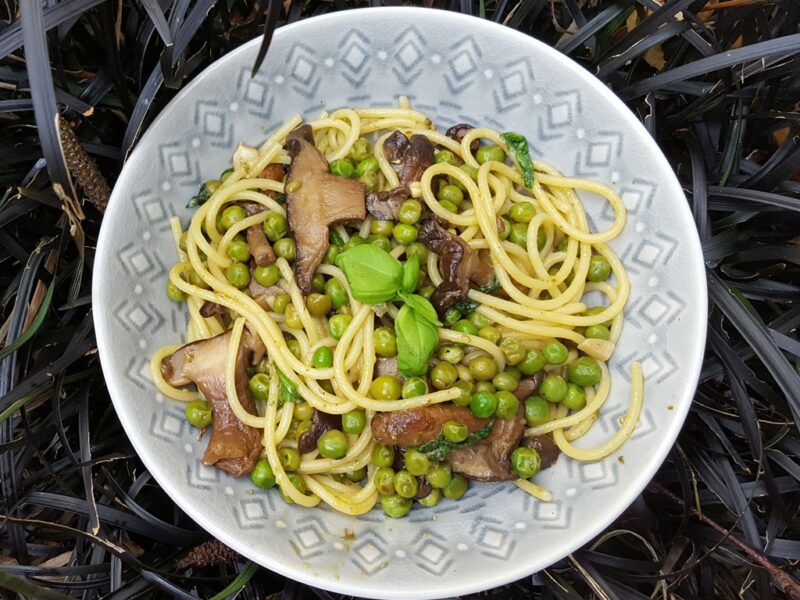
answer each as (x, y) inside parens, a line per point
(533, 319)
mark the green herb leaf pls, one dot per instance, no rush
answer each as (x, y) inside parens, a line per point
(289, 391)
(422, 306)
(490, 287)
(519, 146)
(417, 338)
(439, 448)
(465, 307)
(410, 274)
(374, 275)
(335, 238)
(202, 195)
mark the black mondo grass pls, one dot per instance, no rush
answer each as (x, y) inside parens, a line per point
(716, 83)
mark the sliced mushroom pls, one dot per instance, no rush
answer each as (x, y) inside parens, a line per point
(419, 425)
(488, 459)
(387, 365)
(409, 158)
(274, 171)
(457, 132)
(424, 488)
(386, 205)
(320, 423)
(545, 445)
(460, 265)
(234, 447)
(315, 201)
(210, 309)
(257, 241)
(529, 386)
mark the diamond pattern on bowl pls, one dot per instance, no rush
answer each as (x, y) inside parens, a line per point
(430, 552)
(369, 552)
(309, 537)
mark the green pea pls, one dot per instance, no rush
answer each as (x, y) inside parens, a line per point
(507, 405)
(465, 326)
(294, 347)
(533, 362)
(281, 302)
(480, 321)
(431, 499)
(323, 358)
(404, 234)
(301, 428)
(483, 368)
(439, 476)
(385, 341)
(562, 245)
(318, 304)
(381, 241)
(384, 228)
(333, 444)
(451, 353)
(259, 386)
(584, 372)
(405, 484)
(537, 410)
(448, 206)
(451, 316)
(342, 167)
(417, 463)
(396, 507)
(232, 214)
(385, 387)
(522, 212)
(368, 165)
(526, 462)
(471, 171)
(414, 386)
(262, 475)
(318, 283)
(490, 152)
(599, 268)
(450, 193)
(355, 240)
(267, 276)
(503, 228)
(370, 181)
(384, 481)
(275, 226)
(443, 375)
(513, 350)
(331, 254)
(289, 458)
(596, 310)
(599, 332)
(466, 393)
(555, 353)
(337, 324)
(455, 431)
(286, 248)
(174, 293)
(293, 320)
(445, 156)
(419, 250)
(335, 290)
(575, 398)
(198, 413)
(456, 489)
(519, 234)
(483, 386)
(212, 185)
(490, 333)
(302, 411)
(239, 251)
(238, 274)
(483, 404)
(410, 212)
(427, 291)
(354, 421)
(297, 481)
(382, 456)
(357, 475)
(362, 148)
(505, 381)
(553, 388)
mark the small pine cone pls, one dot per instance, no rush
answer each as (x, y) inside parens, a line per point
(82, 167)
(208, 554)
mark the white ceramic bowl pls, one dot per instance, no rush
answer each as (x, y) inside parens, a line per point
(455, 68)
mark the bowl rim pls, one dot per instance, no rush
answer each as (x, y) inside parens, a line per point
(496, 577)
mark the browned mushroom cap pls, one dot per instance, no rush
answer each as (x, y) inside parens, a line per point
(316, 201)
(419, 425)
(234, 447)
(409, 158)
(488, 459)
(546, 446)
(274, 171)
(387, 365)
(457, 132)
(257, 242)
(210, 309)
(264, 296)
(529, 386)
(460, 265)
(386, 205)
(320, 423)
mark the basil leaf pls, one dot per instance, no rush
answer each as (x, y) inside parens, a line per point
(440, 447)
(374, 275)
(416, 340)
(422, 307)
(202, 195)
(519, 146)
(410, 274)
(289, 392)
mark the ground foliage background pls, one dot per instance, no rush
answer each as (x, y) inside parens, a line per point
(716, 82)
